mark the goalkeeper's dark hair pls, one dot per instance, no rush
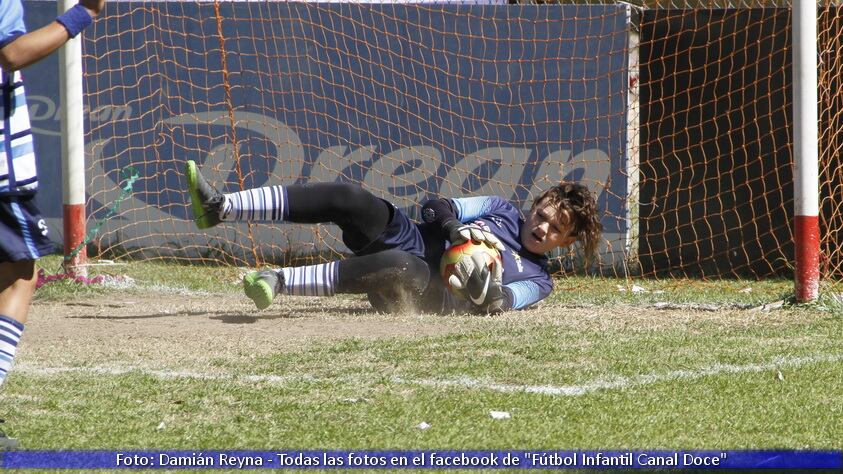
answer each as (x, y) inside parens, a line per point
(577, 199)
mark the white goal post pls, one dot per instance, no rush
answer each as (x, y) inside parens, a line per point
(72, 150)
(806, 231)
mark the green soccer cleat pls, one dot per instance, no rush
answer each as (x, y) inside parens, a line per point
(262, 287)
(205, 201)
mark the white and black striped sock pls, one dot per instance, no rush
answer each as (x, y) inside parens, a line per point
(268, 203)
(311, 280)
(10, 334)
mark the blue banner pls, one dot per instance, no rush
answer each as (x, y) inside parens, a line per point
(410, 101)
(521, 459)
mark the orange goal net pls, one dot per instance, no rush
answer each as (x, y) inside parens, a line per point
(678, 117)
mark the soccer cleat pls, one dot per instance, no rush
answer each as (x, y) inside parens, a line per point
(262, 287)
(205, 201)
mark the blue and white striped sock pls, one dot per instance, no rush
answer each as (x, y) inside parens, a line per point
(10, 333)
(268, 203)
(311, 280)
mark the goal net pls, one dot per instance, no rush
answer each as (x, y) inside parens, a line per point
(678, 117)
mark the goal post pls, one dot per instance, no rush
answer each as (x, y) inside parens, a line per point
(805, 150)
(72, 150)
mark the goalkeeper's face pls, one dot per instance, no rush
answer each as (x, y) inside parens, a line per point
(547, 227)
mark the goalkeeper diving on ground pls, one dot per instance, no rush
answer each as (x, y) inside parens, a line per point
(396, 260)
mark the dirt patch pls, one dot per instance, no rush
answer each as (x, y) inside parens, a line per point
(193, 331)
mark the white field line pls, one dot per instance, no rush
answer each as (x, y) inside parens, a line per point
(620, 383)
(614, 383)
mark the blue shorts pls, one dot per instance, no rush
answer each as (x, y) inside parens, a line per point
(400, 233)
(23, 232)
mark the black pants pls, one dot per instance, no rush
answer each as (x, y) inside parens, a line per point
(392, 278)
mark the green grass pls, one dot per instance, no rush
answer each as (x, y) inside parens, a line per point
(572, 290)
(584, 291)
(361, 394)
(144, 275)
(686, 382)
(714, 413)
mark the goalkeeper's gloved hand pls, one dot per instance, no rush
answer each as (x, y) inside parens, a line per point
(480, 283)
(459, 233)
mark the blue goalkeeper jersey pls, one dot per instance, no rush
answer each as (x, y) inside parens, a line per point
(17, 153)
(525, 274)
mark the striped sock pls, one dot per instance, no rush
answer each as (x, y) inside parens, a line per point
(10, 333)
(268, 203)
(312, 280)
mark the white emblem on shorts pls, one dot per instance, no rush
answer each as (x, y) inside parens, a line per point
(43, 226)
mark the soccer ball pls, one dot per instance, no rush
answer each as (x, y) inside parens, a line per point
(454, 254)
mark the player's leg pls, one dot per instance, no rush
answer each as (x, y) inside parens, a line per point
(23, 239)
(17, 285)
(361, 215)
(390, 272)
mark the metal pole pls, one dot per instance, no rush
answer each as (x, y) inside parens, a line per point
(805, 150)
(73, 149)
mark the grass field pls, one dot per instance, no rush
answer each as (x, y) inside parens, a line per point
(176, 358)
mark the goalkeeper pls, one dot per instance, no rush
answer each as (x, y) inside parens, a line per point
(396, 260)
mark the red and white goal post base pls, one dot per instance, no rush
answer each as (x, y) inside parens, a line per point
(73, 151)
(806, 232)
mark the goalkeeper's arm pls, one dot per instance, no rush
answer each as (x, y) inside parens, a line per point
(444, 213)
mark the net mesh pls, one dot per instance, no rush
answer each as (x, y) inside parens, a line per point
(677, 116)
